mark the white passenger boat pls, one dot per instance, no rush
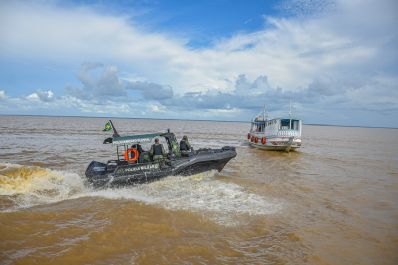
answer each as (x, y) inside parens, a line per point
(282, 134)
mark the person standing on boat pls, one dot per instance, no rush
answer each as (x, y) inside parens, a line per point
(185, 146)
(157, 151)
(140, 152)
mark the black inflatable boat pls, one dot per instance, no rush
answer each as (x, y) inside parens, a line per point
(125, 171)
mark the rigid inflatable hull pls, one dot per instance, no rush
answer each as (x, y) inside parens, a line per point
(99, 175)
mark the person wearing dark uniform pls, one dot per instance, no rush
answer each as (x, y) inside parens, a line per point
(185, 146)
(140, 152)
(157, 151)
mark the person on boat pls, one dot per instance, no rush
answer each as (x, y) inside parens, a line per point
(157, 151)
(140, 152)
(138, 147)
(185, 146)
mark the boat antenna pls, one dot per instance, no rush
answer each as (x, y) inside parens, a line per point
(290, 113)
(265, 116)
(115, 133)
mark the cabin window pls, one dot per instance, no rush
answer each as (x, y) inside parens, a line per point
(295, 125)
(259, 127)
(287, 124)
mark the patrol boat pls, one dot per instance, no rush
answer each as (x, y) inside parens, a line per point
(131, 167)
(283, 134)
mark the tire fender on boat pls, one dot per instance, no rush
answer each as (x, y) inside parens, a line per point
(256, 139)
(263, 140)
(248, 136)
(134, 153)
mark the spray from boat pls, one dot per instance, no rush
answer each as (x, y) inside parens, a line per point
(28, 186)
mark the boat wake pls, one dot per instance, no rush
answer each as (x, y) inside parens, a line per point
(202, 193)
(28, 186)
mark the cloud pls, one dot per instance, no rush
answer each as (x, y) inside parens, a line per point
(157, 108)
(2, 94)
(83, 34)
(322, 95)
(151, 91)
(42, 95)
(291, 51)
(107, 107)
(307, 7)
(107, 84)
(245, 95)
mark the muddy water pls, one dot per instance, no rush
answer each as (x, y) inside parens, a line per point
(333, 202)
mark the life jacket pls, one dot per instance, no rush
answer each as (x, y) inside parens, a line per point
(157, 149)
(183, 146)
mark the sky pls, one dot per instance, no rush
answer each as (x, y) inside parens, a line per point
(336, 61)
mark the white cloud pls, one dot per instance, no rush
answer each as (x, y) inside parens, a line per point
(292, 52)
(41, 95)
(157, 108)
(33, 97)
(2, 94)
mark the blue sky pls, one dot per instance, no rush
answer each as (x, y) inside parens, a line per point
(337, 61)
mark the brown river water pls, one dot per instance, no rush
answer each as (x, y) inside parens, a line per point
(335, 201)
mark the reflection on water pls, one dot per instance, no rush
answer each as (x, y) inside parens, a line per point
(333, 202)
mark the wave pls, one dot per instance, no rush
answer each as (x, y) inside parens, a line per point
(29, 186)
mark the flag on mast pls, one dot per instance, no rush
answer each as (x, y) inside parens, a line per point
(108, 127)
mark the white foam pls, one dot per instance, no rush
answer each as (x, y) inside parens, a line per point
(201, 193)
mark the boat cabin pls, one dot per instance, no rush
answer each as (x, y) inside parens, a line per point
(279, 126)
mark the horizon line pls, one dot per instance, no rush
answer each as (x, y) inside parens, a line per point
(175, 119)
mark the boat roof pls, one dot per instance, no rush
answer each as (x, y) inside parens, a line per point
(263, 121)
(130, 139)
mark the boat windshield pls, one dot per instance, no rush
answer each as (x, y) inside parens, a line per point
(288, 124)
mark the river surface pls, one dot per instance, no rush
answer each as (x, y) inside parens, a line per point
(335, 201)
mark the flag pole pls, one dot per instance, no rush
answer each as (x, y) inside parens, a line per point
(115, 134)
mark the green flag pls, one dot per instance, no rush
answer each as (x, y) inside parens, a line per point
(108, 127)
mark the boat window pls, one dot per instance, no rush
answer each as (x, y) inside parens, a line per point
(285, 124)
(295, 125)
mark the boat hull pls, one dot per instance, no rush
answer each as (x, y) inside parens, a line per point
(277, 144)
(101, 175)
(275, 148)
